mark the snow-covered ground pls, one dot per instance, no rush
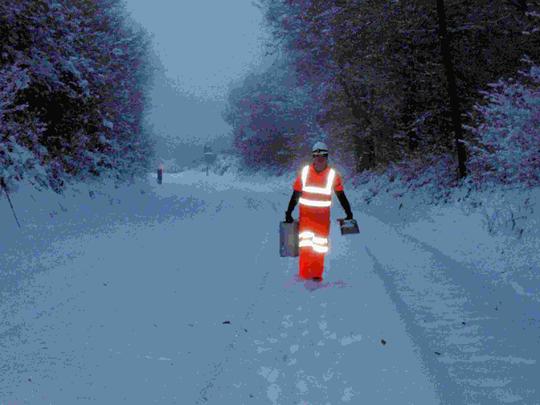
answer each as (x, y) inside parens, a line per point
(176, 293)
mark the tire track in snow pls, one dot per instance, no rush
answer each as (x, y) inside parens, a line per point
(218, 367)
(504, 342)
(448, 392)
(321, 346)
(464, 343)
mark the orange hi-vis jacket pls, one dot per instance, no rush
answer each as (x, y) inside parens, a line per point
(314, 218)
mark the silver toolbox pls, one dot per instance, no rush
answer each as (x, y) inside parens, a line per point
(288, 239)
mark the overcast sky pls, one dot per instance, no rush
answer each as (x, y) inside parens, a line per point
(203, 44)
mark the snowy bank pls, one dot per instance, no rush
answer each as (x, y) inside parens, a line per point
(464, 272)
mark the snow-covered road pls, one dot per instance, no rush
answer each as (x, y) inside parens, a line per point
(200, 308)
(197, 307)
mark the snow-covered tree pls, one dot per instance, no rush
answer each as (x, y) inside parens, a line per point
(273, 119)
(508, 132)
(377, 68)
(20, 131)
(72, 91)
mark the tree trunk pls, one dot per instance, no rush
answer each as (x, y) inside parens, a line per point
(452, 93)
(359, 115)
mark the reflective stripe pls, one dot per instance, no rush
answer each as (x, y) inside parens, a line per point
(310, 235)
(320, 241)
(320, 249)
(327, 190)
(317, 243)
(305, 171)
(314, 246)
(314, 203)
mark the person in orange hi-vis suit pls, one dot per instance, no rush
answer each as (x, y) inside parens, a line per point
(313, 190)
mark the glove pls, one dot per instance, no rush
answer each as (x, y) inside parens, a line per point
(349, 216)
(288, 217)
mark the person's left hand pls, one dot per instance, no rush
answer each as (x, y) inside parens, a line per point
(288, 218)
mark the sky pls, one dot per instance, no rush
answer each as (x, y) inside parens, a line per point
(204, 47)
(203, 44)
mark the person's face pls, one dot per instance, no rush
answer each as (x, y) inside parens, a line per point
(320, 162)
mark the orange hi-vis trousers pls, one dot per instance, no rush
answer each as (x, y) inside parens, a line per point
(313, 228)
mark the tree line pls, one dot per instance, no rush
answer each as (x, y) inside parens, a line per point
(73, 80)
(387, 82)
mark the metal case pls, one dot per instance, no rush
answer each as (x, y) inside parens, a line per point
(348, 226)
(288, 239)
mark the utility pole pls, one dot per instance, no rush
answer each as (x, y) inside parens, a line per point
(3, 185)
(209, 157)
(160, 174)
(452, 92)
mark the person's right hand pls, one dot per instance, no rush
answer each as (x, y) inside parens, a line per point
(288, 217)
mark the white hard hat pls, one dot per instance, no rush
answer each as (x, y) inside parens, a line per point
(319, 148)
